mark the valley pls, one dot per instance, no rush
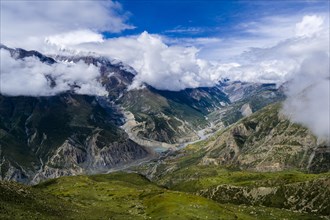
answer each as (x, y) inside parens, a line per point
(222, 152)
(75, 134)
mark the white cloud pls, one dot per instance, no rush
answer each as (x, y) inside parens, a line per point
(179, 66)
(186, 30)
(263, 33)
(74, 37)
(308, 100)
(158, 64)
(30, 77)
(310, 25)
(26, 24)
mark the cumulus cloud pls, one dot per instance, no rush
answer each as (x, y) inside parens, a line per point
(164, 63)
(310, 24)
(48, 26)
(26, 24)
(178, 66)
(308, 93)
(30, 77)
(158, 64)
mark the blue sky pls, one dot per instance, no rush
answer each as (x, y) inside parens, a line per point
(215, 27)
(213, 18)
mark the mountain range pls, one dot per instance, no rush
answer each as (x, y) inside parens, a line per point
(226, 152)
(66, 134)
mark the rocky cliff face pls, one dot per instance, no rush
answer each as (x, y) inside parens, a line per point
(265, 141)
(72, 158)
(61, 135)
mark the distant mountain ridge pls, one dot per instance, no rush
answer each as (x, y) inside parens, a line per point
(70, 133)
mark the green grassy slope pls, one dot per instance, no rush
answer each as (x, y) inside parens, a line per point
(120, 196)
(22, 202)
(226, 167)
(130, 196)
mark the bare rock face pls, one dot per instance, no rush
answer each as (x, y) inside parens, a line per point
(73, 159)
(61, 135)
(267, 141)
(167, 117)
(10, 172)
(246, 110)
